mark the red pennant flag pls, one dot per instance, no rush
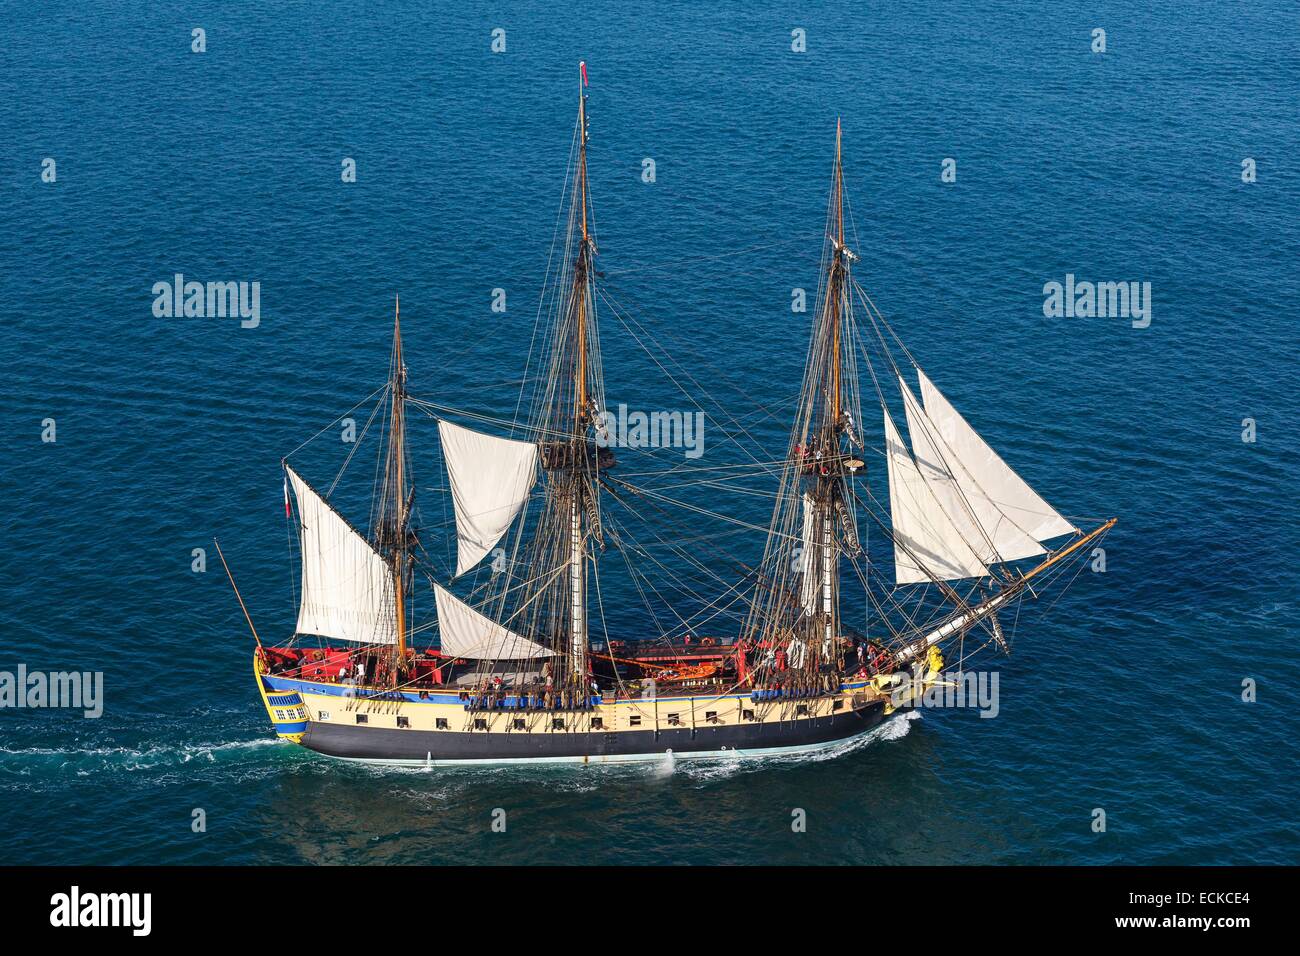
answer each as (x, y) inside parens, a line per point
(286, 496)
(583, 66)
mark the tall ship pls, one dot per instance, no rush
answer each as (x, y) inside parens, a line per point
(501, 653)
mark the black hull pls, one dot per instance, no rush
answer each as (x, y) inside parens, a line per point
(434, 746)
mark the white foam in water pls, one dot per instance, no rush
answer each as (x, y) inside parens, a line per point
(893, 729)
(35, 763)
(664, 767)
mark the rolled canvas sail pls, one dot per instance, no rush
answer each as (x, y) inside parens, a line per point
(490, 479)
(808, 587)
(991, 534)
(467, 633)
(984, 474)
(347, 586)
(921, 526)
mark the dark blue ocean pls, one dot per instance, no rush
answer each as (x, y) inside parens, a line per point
(1123, 695)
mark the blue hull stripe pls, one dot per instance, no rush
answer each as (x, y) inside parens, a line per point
(341, 690)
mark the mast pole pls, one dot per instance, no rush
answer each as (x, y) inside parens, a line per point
(577, 557)
(397, 436)
(834, 288)
(580, 276)
(243, 607)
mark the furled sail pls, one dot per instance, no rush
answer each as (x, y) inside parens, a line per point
(991, 534)
(985, 477)
(808, 587)
(925, 538)
(467, 633)
(491, 479)
(347, 586)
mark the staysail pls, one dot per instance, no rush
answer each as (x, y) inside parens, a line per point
(926, 542)
(491, 479)
(467, 633)
(347, 586)
(991, 534)
(985, 479)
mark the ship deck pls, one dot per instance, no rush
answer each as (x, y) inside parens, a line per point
(621, 672)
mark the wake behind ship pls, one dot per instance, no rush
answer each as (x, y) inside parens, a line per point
(524, 668)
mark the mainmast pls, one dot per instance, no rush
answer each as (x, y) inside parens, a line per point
(551, 597)
(577, 538)
(581, 413)
(833, 297)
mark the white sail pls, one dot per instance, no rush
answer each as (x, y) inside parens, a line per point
(347, 586)
(925, 539)
(808, 589)
(986, 476)
(991, 534)
(466, 633)
(490, 479)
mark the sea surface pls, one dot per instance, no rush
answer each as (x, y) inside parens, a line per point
(1124, 694)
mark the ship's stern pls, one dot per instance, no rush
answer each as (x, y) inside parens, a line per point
(285, 707)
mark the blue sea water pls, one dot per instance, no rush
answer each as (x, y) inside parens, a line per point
(1125, 695)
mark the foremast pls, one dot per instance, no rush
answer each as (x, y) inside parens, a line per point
(830, 429)
(393, 527)
(795, 619)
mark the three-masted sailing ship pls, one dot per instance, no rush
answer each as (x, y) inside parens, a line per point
(511, 668)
